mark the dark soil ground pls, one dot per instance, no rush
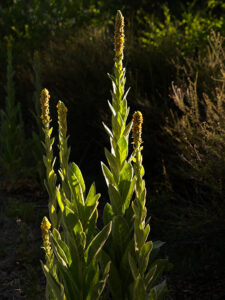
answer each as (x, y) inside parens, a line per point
(21, 276)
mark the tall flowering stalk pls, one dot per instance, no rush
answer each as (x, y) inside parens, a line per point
(49, 160)
(119, 177)
(144, 271)
(64, 151)
(126, 248)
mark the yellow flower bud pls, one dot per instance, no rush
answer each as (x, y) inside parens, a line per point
(45, 225)
(119, 35)
(45, 107)
(137, 129)
(62, 112)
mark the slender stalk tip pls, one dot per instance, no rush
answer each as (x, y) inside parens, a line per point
(119, 35)
(45, 107)
(62, 113)
(137, 129)
(45, 225)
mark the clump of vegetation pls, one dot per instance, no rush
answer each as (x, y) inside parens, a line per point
(80, 258)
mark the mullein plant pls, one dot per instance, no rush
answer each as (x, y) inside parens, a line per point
(72, 267)
(79, 257)
(11, 128)
(133, 272)
(49, 159)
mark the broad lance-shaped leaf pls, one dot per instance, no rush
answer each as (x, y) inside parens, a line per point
(126, 203)
(150, 275)
(156, 248)
(128, 129)
(114, 281)
(56, 287)
(107, 213)
(161, 290)
(107, 174)
(161, 264)
(139, 289)
(115, 199)
(120, 230)
(144, 256)
(64, 248)
(91, 195)
(91, 278)
(113, 163)
(59, 198)
(133, 266)
(76, 175)
(122, 149)
(99, 287)
(97, 243)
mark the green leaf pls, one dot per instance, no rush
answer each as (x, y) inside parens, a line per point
(109, 132)
(91, 279)
(76, 175)
(111, 108)
(161, 290)
(161, 264)
(99, 287)
(144, 256)
(115, 199)
(107, 174)
(126, 172)
(114, 280)
(152, 295)
(90, 210)
(156, 248)
(129, 195)
(149, 276)
(128, 129)
(122, 148)
(126, 93)
(107, 213)
(139, 289)
(65, 249)
(91, 194)
(113, 164)
(123, 109)
(97, 243)
(56, 287)
(59, 252)
(59, 198)
(120, 230)
(133, 267)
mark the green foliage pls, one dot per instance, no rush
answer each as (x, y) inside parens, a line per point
(188, 31)
(72, 268)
